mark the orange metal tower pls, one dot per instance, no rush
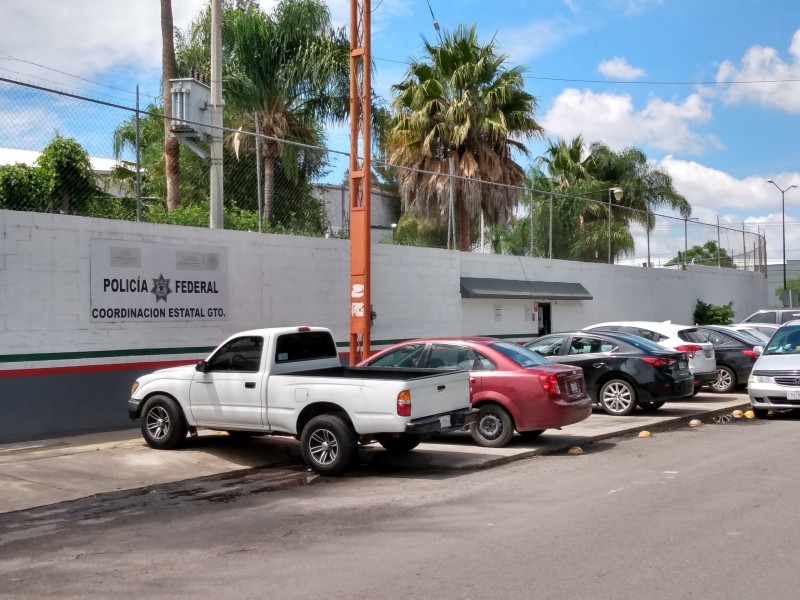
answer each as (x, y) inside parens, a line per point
(360, 103)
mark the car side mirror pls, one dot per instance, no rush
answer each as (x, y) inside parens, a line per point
(201, 367)
(759, 350)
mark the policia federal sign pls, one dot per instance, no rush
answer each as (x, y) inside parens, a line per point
(135, 281)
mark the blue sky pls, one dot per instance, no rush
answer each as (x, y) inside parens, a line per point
(651, 73)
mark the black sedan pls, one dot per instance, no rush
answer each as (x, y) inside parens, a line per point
(622, 371)
(735, 355)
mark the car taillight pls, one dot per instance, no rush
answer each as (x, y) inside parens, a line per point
(658, 361)
(550, 384)
(404, 404)
(690, 349)
(750, 353)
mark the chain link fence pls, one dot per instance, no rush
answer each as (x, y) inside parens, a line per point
(50, 142)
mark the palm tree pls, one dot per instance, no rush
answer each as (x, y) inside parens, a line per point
(460, 102)
(169, 70)
(288, 69)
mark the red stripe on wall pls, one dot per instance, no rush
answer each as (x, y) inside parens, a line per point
(44, 371)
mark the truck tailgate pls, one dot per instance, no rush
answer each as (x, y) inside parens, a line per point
(439, 393)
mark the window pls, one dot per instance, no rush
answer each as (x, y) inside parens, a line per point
(547, 346)
(589, 345)
(785, 341)
(305, 345)
(647, 334)
(452, 356)
(404, 356)
(762, 317)
(788, 315)
(520, 355)
(240, 354)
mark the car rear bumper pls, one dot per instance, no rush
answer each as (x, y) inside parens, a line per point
(443, 422)
(665, 390)
(553, 414)
(706, 377)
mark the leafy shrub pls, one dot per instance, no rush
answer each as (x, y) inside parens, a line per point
(710, 314)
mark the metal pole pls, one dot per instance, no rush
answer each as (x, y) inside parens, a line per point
(718, 242)
(609, 226)
(216, 116)
(550, 236)
(744, 248)
(685, 239)
(648, 239)
(533, 193)
(783, 236)
(258, 174)
(138, 161)
(451, 217)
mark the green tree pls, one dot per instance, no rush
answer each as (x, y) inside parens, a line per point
(461, 102)
(704, 254)
(289, 70)
(710, 314)
(792, 283)
(71, 178)
(24, 188)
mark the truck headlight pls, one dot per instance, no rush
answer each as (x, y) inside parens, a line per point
(135, 386)
(760, 379)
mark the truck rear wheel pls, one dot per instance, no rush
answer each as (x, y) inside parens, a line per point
(163, 425)
(402, 444)
(329, 445)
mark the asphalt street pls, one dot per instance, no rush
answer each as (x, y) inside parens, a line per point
(690, 512)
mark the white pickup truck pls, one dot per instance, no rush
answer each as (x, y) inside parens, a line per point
(289, 381)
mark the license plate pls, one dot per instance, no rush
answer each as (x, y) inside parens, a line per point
(573, 387)
(444, 421)
(793, 395)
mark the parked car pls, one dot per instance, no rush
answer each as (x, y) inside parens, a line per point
(774, 316)
(775, 380)
(683, 338)
(734, 353)
(765, 329)
(621, 370)
(512, 387)
(288, 381)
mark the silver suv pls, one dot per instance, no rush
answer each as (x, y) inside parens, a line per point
(775, 380)
(776, 316)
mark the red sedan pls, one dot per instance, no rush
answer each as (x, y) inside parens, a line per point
(514, 388)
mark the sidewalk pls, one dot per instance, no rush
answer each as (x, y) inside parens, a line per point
(50, 471)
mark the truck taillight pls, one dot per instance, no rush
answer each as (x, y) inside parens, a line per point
(690, 349)
(404, 404)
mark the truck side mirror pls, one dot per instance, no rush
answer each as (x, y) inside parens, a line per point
(201, 367)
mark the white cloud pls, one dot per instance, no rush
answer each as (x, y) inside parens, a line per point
(761, 63)
(612, 118)
(619, 69)
(635, 7)
(534, 39)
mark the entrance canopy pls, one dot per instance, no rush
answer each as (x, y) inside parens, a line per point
(479, 287)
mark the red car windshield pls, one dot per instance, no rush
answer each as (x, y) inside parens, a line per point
(520, 355)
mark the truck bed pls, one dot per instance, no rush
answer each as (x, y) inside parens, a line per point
(393, 373)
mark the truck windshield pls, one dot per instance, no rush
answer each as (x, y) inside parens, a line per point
(305, 345)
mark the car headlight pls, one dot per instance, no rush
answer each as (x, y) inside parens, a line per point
(135, 386)
(760, 379)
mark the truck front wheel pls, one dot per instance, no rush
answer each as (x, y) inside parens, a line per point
(163, 425)
(329, 445)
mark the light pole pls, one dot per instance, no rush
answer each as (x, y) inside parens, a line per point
(618, 192)
(783, 228)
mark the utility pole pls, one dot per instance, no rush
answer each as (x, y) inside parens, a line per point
(360, 123)
(216, 116)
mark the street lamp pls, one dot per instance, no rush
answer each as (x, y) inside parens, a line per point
(618, 192)
(783, 228)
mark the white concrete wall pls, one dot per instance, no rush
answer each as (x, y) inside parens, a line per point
(278, 280)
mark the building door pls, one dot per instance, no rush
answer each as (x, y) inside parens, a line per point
(545, 325)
